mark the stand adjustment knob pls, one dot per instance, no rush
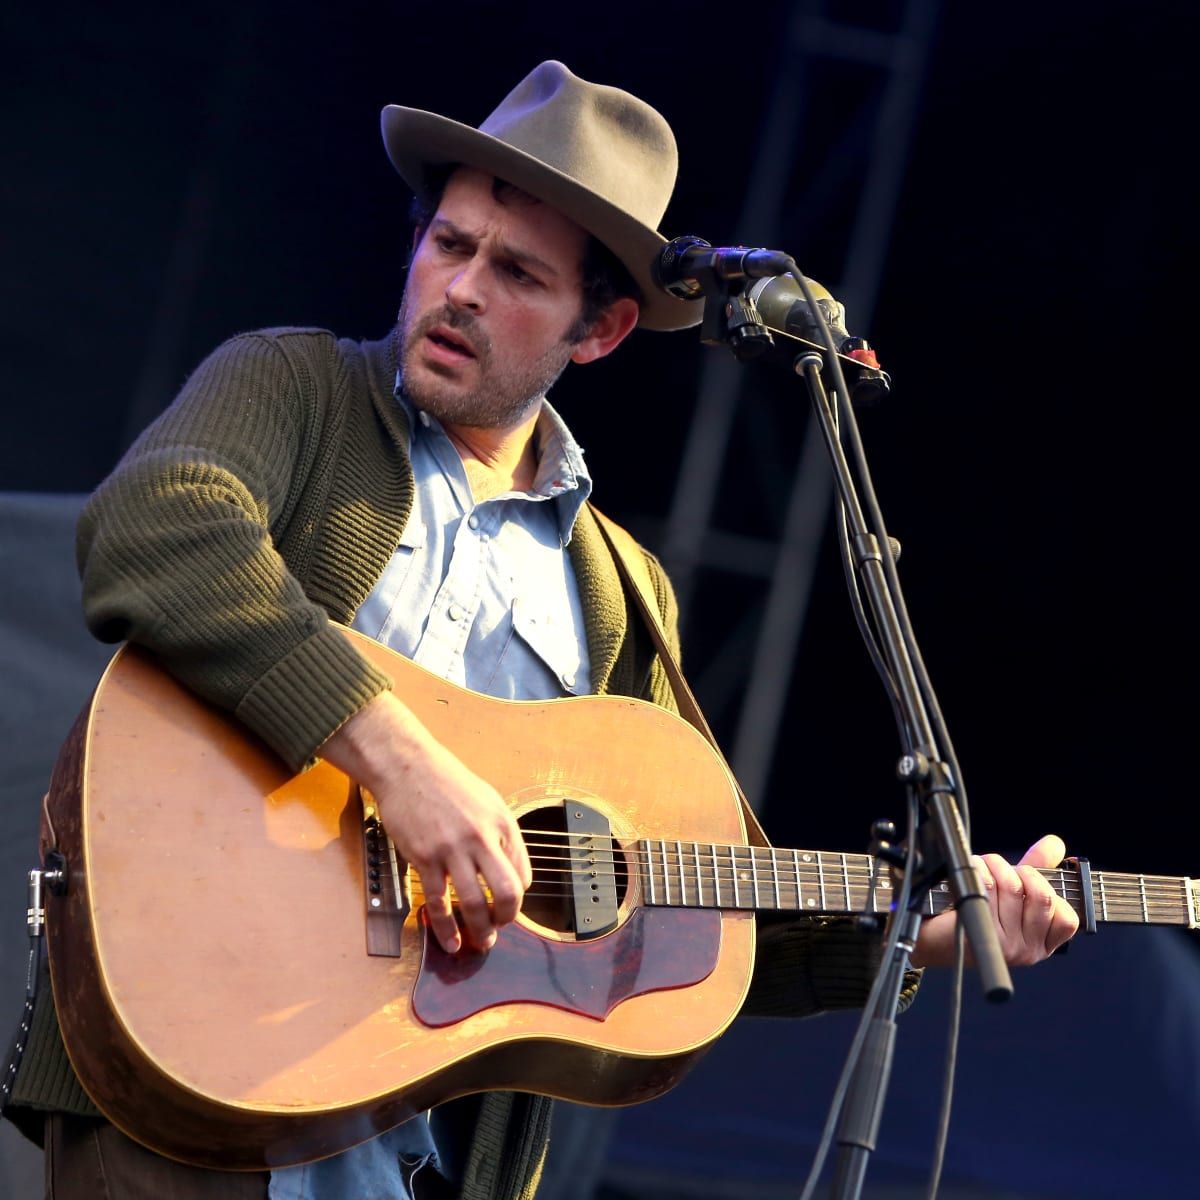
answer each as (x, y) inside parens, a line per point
(912, 767)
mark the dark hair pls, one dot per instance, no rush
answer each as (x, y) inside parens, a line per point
(604, 277)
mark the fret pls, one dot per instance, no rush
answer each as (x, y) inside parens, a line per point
(870, 900)
(882, 894)
(1128, 898)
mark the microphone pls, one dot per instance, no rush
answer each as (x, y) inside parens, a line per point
(774, 299)
(781, 305)
(684, 262)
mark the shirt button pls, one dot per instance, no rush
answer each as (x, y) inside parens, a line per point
(568, 679)
(423, 417)
(455, 613)
(473, 521)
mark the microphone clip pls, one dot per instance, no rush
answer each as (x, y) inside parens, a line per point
(734, 320)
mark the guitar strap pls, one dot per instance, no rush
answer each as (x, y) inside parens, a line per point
(635, 577)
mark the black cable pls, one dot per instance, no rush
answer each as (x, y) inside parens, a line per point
(848, 433)
(20, 1039)
(868, 1013)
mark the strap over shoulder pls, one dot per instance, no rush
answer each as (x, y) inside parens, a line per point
(635, 576)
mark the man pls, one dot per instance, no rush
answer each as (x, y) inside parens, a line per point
(423, 489)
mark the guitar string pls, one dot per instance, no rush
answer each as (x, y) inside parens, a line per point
(858, 861)
(1142, 895)
(790, 904)
(1132, 901)
(1157, 890)
(745, 902)
(683, 862)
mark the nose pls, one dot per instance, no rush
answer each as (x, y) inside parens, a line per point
(465, 290)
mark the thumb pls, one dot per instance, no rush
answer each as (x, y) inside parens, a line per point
(1046, 852)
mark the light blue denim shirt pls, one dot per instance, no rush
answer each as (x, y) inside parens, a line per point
(483, 595)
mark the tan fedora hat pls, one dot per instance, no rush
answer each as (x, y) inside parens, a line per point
(600, 156)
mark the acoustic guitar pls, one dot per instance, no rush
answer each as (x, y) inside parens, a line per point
(239, 960)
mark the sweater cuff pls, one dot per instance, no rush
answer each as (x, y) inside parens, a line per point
(817, 964)
(309, 694)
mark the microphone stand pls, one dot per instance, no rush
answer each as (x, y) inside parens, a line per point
(938, 849)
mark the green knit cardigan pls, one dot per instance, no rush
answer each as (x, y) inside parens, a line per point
(264, 503)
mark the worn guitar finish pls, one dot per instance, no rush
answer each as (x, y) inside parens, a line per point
(210, 964)
(239, 963)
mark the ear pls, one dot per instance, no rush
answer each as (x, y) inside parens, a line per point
(608, 331)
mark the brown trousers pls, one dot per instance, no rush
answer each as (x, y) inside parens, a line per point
(90, 1159)
(93, 1160)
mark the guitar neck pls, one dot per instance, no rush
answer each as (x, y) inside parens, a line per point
(708, 875)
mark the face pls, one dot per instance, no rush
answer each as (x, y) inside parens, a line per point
(493, 287)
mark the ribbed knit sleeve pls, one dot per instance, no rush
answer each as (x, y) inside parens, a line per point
(177, 548)
(816, 964)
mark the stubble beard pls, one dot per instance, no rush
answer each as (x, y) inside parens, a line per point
(504, 395)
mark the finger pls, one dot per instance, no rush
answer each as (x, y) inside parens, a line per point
(519, 856)
(473, 903)
(439, 912)
(506, 887)
(1064, 925)
(986, 878)
(1038, 915)
(512, 842)
(1048, 851)
(1055, 922)
(1010, 898)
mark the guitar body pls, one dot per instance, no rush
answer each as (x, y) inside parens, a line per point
(209, 958)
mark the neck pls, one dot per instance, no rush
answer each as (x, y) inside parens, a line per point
(497, 460)
(706, 875)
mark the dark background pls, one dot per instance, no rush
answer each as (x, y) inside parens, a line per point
(173, 176)
(1033, 458)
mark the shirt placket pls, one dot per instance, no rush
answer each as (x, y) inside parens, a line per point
(443, 646)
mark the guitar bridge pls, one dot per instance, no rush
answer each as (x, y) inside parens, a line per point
(385, 885)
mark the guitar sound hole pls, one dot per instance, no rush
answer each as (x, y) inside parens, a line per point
(548, 899)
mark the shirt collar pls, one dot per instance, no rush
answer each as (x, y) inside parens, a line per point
(561, 475)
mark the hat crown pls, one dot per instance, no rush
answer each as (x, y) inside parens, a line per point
(595, 153)
(610, 141)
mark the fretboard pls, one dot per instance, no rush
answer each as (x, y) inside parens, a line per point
(708, 875)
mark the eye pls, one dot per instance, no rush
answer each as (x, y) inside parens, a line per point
(519, 275)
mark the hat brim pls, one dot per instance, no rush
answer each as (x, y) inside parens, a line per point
(417, 142)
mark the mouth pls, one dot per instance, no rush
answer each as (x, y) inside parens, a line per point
(450, 343)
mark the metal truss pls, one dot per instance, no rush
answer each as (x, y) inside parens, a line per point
(841, 120)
